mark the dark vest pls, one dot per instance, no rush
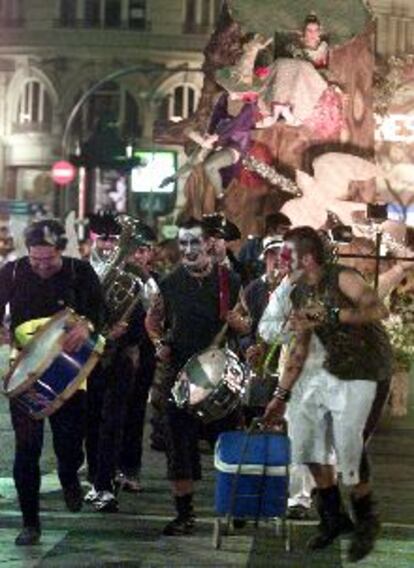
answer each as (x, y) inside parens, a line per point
(354, 352)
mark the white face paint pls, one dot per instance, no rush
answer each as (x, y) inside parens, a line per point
(192, 246)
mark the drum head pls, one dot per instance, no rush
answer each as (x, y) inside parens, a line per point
(39, 354)
(206, 371)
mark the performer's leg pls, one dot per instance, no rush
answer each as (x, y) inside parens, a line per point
(215, 162)
(97, 384)
(26, 471)
(112, 422)
(68, 430)
(130, 459)
(363, 404)
(184, 468)
(301, 484)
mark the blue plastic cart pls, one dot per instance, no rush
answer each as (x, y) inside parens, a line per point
(252, 480)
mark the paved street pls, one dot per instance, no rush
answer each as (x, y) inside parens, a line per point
(131, 538)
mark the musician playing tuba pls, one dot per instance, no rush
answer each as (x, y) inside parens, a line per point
(122, 256)
(36, 287)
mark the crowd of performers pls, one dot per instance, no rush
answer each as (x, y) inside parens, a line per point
(320, 320)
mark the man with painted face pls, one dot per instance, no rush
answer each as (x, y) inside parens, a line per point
(189, 313)
(36, 287)
(336, 378)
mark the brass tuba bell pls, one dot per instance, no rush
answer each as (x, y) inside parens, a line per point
(123, 283)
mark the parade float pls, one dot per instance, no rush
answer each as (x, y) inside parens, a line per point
(338, 152)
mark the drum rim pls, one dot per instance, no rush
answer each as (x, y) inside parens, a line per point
(32, 377)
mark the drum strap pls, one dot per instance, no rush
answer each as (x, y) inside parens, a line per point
(224, 292)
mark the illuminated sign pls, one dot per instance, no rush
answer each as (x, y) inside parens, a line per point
(156, 166)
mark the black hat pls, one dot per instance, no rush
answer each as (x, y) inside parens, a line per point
(47, 232)
(216, 225)
(144, 235)
(104, 224)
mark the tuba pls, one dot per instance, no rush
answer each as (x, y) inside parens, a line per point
(123, 283)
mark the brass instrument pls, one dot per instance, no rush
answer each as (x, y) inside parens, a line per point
(123, 283)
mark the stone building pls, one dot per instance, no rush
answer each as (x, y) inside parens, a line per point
(53, 51)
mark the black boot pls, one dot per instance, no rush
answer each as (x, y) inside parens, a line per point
(367, 527)
(184, 522)
(334, 520)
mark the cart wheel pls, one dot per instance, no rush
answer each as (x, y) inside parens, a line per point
(217, 534)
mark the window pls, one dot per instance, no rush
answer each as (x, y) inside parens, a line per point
(112, 100)
(34, 107)
(180, 103)
(201, 15)
(137, 14)
(67, 13)
(115, 13)
(112, 13)
(10, 12)
(92, 13)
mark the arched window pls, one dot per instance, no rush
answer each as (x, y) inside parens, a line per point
(181, 102)
(111, 100)
(34, 109)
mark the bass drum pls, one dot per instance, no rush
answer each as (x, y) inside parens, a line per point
(211, 384)
(43, 376)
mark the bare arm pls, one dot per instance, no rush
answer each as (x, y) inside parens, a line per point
(298, 353)
(368, 306)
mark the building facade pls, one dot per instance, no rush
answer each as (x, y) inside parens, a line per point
(53, 51)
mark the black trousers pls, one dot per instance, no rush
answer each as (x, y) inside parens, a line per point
(109, 390)
(68, 428)
(130, 459)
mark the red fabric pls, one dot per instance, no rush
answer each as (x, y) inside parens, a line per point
(248, 178)
(327, 118)
(224, 292)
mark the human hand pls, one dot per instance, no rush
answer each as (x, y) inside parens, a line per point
(209, 141)
(163, 352)
(237, 322)
(118, 330)
(75, 337)
(254, 354)
(274, 413)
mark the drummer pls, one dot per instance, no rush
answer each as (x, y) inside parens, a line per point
(36, 287)
(191, 310)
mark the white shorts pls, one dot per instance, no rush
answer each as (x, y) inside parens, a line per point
(327, 417)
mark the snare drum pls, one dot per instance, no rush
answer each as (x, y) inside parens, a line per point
(211, 384)
(43, 376)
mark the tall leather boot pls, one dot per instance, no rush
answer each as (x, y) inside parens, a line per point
(333, 518)
(367, 527)
(184, 522)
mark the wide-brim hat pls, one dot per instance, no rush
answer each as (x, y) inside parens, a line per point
(216, 225)
(144, 235)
